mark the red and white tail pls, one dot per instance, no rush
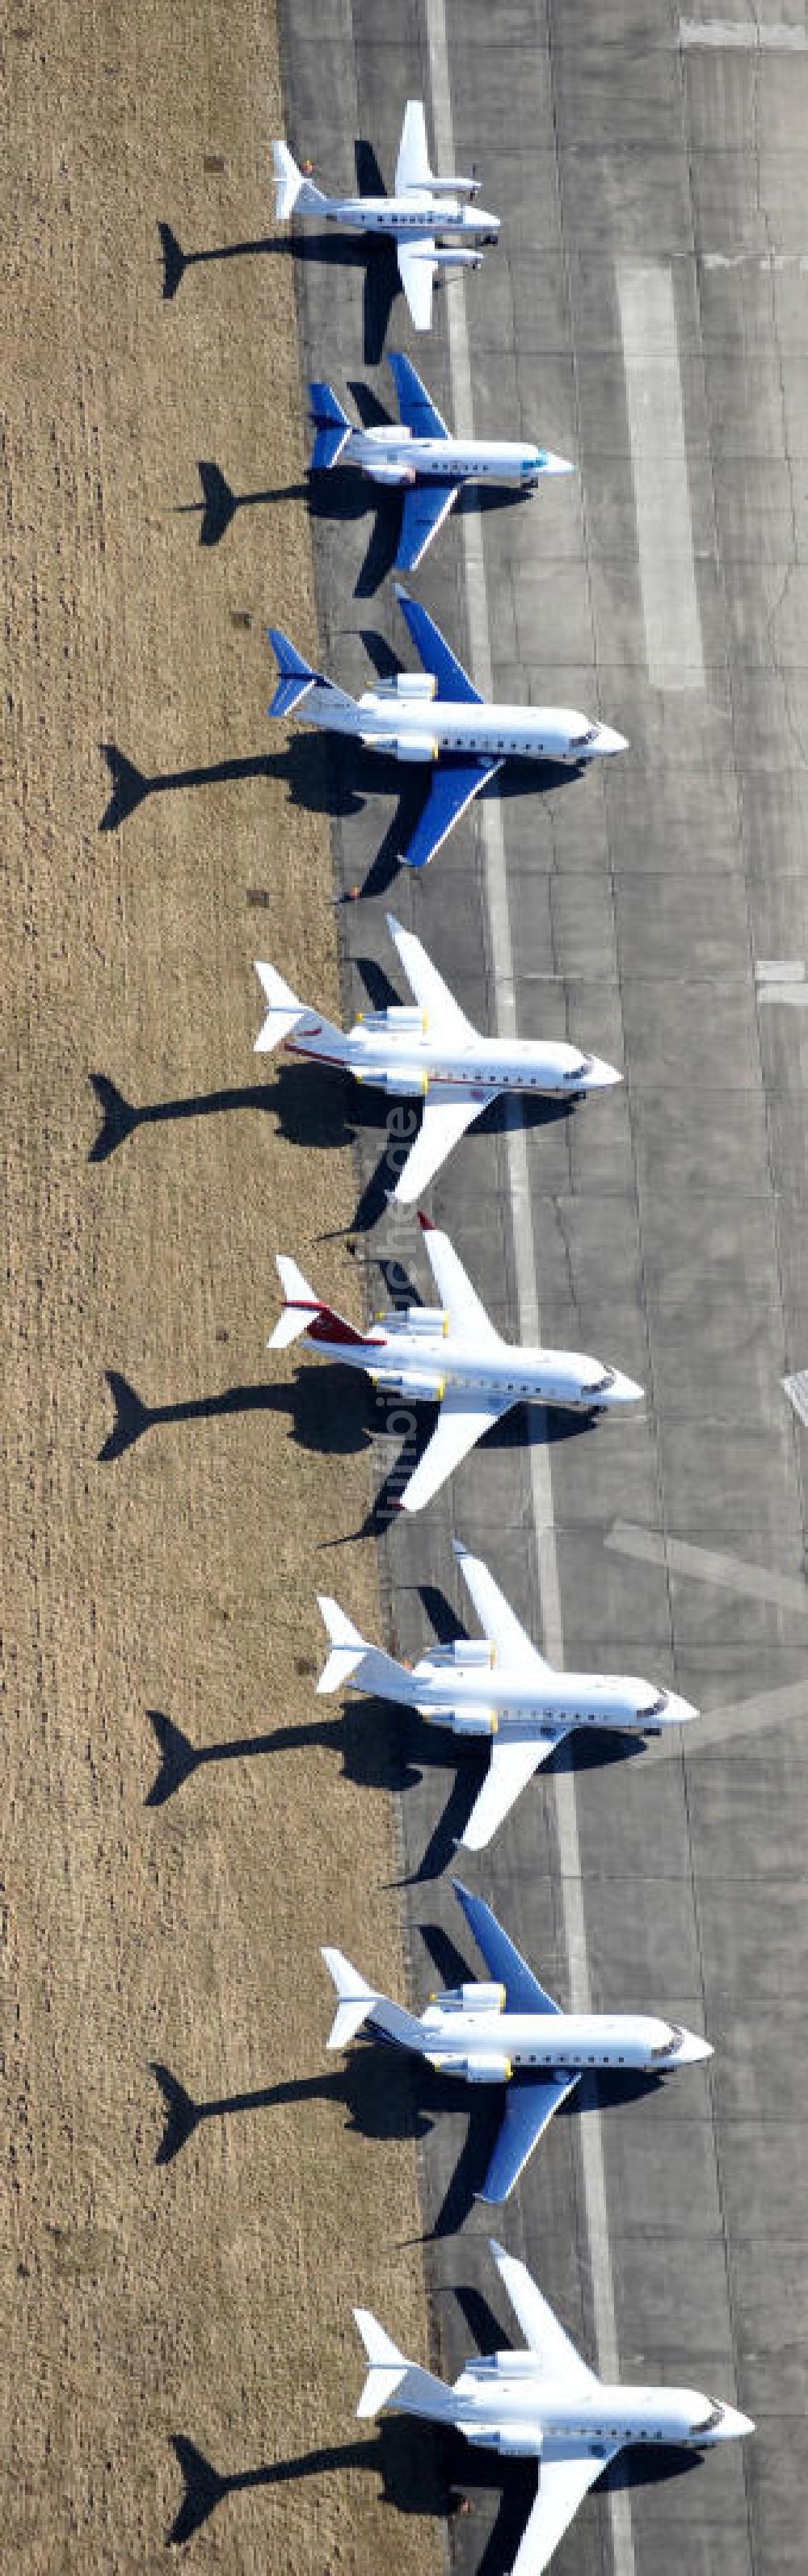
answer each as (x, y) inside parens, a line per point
(285, 1013)
(304, 1312)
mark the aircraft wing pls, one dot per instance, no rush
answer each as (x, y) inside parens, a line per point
(501, 1625)
(555, 2353)
(416, 268)
(451, 790)
(446, 1116)
(460, 1423)
(443, 1013)
(412, 166)
(431, 646)
(509, 1770)
(562, 2487)
(528, 2110)
(459, 1299)
(416, 408)
(505, 1964)
(426, 505)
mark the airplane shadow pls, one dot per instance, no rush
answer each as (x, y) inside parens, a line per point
(375, 259)
(407, 2457)
(326, 1415)
(342, 496)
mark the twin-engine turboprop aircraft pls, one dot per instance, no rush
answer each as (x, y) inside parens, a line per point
(542, 2404)
(437, 716)
(510, 2028)
(448, 1355)
(429, 1053)
(499, 1689)
(422, 458)
(420, 207)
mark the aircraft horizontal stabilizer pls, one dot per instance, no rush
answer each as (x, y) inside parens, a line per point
(347, 1647)
(293, 191)
(355, 1999)
(284, 1009)
(387, 2364)
(332, 425)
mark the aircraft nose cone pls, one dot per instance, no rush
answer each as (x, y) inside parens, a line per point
(626, 1390)
(680, 1712)
(735, 2424)
(602, 1076)
(557, 464)
(692, 2050)
(609, 742)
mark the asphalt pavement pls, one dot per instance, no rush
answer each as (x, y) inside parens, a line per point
(646, 312)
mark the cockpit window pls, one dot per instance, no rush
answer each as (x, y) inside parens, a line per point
(601, 1383)
(709, 2423)
(577, 740)
(668, 2046)
(656, 1706)
(576, 1070)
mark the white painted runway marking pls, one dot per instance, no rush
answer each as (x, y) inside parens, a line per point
(782, 979)
(490, 812)
(707, 1565)
(797, 1391)
(673, 645)
(742, 35)
(724, 1727)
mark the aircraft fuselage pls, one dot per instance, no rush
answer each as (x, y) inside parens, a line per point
(425, 1365)
(568, 2419)
(418, 212)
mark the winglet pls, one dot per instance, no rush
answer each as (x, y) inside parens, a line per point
(426, 1223)
(459, 1550)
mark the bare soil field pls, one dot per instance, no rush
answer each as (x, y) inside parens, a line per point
(180, 2358)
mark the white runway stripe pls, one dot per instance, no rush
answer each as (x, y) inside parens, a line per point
(673, 644)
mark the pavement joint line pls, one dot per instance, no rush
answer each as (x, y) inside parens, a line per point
(490, 815)
(708, 1565)
(673, 643)
(741, 35)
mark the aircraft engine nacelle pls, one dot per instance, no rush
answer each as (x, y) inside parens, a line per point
(383, 470)
(473, 1721)
(455, 187)
(426, 1322)
(457, 258)
(405, 1083)
(471, 1998)
(486, 2066)
(513, 2441)
(427, 1389)
(399, 1020)
(414, 746)
(407, 684)
(465, 1654)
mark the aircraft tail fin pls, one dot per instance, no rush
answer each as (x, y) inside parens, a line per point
(391, 2375)
(294, 193)
(348, 1651)
(285, 1013)
(302, 1310)
(355, 1999)
(295, 677)
(332, 425)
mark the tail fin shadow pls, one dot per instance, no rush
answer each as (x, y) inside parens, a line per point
(129, 787)
(220, 502)
(131, 1417)
(178, 1758)
(117, 1118)
(173, 261)
(181, 2114)
(204, 2489)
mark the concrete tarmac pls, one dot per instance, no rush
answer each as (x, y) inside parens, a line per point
(645, 313)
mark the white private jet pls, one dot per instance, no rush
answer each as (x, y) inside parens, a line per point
(489, 2034)
(420, 207)
(436, 716)
(542, 2404)
(429, 1053)
(448, 1355)
(421, 457)
(499, 1689)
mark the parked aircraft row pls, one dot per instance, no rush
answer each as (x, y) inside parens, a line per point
(544, 2402)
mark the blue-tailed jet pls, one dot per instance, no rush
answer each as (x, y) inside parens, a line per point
(438, 718)
(448, 1355)
(420, 207)
(510, 2032)
(422, 458)
(429, 1053)
(543, 2404)
(499, 1689)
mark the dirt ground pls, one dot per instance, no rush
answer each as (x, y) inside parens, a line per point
(175, 2278)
